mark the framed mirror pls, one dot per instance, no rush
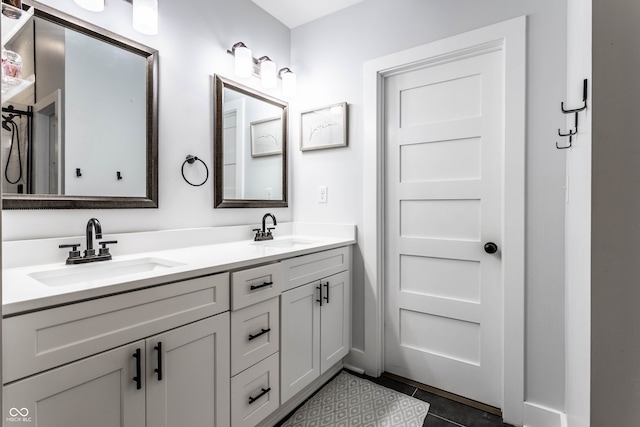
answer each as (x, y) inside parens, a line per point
(250, 147)
(85, 134)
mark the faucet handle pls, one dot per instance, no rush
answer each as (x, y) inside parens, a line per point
(259, 234)
(74, 252)
(104, 250)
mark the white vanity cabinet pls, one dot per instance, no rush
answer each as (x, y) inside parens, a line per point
(220, 350)
(315, 317)
(174, 371)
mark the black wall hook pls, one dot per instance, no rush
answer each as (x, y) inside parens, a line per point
(584, 101)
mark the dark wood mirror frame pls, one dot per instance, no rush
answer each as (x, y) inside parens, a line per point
(220, 83)
(43, 201)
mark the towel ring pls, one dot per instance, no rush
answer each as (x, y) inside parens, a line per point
(191, 160)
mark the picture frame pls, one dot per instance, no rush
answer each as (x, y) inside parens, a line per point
(324, 127)
(266, 137)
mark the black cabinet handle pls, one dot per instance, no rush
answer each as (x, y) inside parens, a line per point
(319, 288)
(327, 297)
(158, 348)
(138, 377)
(265, 284)
(262, 332)
(262, 393)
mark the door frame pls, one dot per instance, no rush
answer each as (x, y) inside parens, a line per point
(509, 37)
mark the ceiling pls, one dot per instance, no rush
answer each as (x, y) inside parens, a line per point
(293, 13)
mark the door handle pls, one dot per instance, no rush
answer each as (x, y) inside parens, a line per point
(490, 248)
(327, 297)
(138, 378)
(158, 348)
(319, 288)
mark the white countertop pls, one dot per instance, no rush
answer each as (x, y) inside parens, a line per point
(22, 291)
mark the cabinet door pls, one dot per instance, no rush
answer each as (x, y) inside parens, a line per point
(191, 388)
(99, 391)
(335, 319)
(300, 339)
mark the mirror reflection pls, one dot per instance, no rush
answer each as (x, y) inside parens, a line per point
(85, 130)
(250, 147)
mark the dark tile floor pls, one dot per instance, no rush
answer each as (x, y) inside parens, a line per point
(443, 412)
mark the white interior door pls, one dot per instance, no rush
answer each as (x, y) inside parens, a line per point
(444, 131)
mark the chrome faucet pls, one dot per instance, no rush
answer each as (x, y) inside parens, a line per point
(265, 233)
(90, 253)
(92, 224)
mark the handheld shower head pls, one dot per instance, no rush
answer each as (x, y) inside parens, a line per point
(5, 122)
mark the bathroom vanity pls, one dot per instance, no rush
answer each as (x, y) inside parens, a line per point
(229, 334)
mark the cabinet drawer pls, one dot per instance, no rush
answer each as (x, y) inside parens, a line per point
(255, 334)
(255, 393)
(45, 339)
(257, 284)
(307, 268)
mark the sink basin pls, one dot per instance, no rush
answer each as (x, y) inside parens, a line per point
(284, 243)
(72, 274)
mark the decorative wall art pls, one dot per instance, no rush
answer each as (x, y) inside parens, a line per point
(324, 127)
(266, 137)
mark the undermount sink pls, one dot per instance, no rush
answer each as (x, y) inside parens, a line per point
(284, 243)
(74, 274)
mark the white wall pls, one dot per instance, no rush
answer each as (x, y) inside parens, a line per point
(192, 41)
(615, 235)
(328, 56)
(578, 220)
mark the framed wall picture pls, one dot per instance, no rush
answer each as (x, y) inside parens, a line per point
(324, 127)
(266, 137)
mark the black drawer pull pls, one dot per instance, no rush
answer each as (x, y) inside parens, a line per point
(138, 377)
(262, 332)
(264, 285)
(319, 288)
(158, 348)
(262, 393)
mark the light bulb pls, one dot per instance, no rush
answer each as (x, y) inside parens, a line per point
(145, 16)
(268, 73)
(92, 5)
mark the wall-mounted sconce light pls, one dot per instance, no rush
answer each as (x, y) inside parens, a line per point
(145, 13)
(243, 59)
(268, 74)
(145, 16)
(263, 68)
(289, 83)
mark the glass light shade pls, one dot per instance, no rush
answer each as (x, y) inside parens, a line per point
(289, 84)
(92, 5)
(145, 16)
(268, 73)
(243, 62)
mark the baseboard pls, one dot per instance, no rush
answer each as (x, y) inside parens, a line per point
(355, 361)
(541, 416)
(301, 397)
